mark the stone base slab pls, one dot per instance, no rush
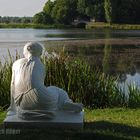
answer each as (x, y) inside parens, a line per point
(66, 120)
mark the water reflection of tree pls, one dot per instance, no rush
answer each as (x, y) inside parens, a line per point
(124, 63)
(106, 58)
(110, 58)
(107, 53)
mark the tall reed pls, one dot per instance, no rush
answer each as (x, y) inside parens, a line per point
(83, 83)
(134, 96)
(5, 78)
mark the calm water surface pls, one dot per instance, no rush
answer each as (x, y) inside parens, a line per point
(115, 58)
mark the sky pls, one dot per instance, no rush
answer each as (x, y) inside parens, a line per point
(21, 7)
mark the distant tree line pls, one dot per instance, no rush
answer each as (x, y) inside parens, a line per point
(7, 19)
(66, 11)
(111, 11)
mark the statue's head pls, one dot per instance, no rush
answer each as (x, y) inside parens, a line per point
(32, 49)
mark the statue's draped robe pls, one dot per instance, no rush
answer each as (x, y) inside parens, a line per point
(30, 99)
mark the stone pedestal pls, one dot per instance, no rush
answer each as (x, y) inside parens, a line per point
(65, 120)
(31, 99)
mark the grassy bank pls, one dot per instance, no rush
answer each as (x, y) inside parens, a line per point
(31, 25)
(91, 25)
(100, 124)
(99, 25)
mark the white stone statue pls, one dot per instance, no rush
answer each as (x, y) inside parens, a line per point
(30, 98)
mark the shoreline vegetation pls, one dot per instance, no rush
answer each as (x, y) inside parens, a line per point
(117, 122)
(90, 25)
(83, 83)
(34, 26)
(102, 25)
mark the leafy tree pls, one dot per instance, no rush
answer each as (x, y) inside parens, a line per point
(48, 11)
(108, 10)
(16, 19)
(92, 9)
(0, 19)
(26, 20)
(48, 7)
(122, 11)
(98, 12)
(136, 13)
(7, 19)
(64, 11)
(81, 6)
(45, 17)
(42, 18)
(128, 11)
(84, 8)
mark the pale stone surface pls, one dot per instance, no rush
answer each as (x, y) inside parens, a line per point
(31, 99)
(63, 120)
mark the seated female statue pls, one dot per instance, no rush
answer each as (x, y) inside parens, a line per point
(30, 98)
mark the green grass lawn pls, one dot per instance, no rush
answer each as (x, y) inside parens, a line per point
(100, 124)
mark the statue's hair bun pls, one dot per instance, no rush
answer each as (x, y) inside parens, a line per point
(34, 48)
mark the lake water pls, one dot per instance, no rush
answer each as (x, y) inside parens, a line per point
(116, 52)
